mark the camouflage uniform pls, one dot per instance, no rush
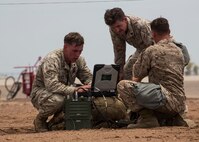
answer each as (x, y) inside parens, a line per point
(138, 35)
(164, 64)
(54, 80)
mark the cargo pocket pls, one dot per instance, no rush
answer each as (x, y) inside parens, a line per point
(149, 95)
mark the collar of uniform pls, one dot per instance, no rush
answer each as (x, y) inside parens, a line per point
(64, 64)
(172, 38)
(72, 66)
(165, 41)
(129, 29)
(131, 20)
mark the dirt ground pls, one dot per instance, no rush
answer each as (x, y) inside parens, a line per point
(17, 115)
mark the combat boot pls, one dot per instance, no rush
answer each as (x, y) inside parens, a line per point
(54, 122)
(40, 124)
(147, 119)
(179, 121)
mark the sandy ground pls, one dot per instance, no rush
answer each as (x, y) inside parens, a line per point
(17, 115)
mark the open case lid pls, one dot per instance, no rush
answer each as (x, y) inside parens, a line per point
(105, 77)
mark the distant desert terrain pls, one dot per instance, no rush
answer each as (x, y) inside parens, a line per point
(17, 115)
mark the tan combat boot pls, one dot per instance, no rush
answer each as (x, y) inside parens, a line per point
(40, 124)
(147, 119)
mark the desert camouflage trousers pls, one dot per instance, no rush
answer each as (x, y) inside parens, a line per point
(128, 67)
(47, 103)
(125, 90)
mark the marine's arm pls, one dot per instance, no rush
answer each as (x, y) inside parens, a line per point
(50, 72)
(119, 47)
(141, 66)
(184, 52)
(84, 74)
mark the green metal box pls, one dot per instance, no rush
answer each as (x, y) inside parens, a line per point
(78, 114)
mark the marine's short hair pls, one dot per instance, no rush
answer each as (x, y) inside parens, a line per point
(74, 38)
(113, 15)
(160, 25)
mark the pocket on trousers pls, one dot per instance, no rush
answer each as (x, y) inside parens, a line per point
(149, 95)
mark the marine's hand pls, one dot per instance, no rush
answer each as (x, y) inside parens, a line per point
(83, 88)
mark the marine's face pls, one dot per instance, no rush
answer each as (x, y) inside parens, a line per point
(120, 27)
(72, 52)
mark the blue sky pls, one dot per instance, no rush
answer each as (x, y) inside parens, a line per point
(30, 31)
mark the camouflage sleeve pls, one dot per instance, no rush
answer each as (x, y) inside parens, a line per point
(119, 47)
(184, 52)
(51, 81)
(142, 65)
(84, 73)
